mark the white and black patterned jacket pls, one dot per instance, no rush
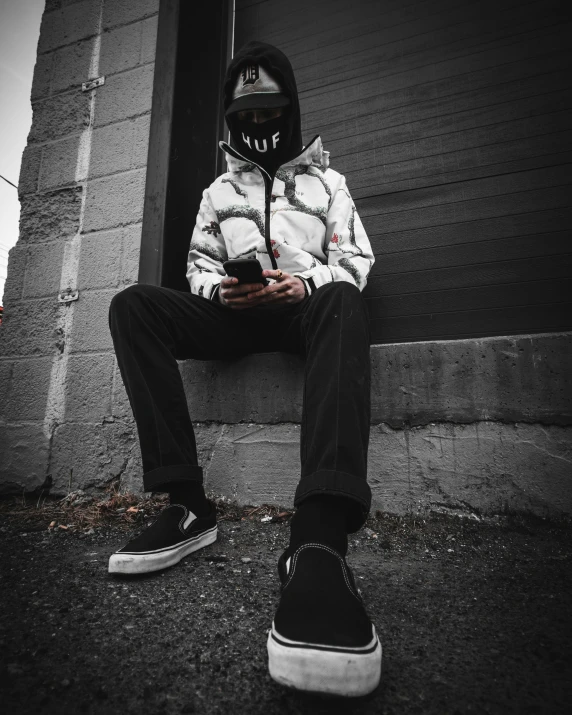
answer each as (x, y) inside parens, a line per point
(308, 220)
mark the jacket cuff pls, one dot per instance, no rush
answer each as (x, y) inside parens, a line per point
(215, 293)
(309, 285)
(204, 284)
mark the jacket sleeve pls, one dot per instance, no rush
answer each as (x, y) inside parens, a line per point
(350, 257)
(206, 252)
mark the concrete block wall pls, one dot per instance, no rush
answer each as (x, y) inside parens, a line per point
(63, 408)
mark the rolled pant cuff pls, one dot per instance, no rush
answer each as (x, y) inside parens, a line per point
(157, 479)
(338, 484)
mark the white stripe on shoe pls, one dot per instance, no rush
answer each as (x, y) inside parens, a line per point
(189, 520)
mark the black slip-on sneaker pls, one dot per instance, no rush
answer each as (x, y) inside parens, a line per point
(322, 640)
(176, 533)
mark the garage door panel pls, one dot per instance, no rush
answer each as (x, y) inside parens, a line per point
(315, 23)
(392, 76)
(443, 163)
(474, 323)
(466, 191)
(467, 232)
(483, 274)
(465, 175)
(476, 210)
(360, 152)
(475, 298)
(297, 15)
(397, 57)
(485, 251)
(355, 37)
(441, 98)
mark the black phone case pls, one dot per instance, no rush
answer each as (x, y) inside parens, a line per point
(247, 270)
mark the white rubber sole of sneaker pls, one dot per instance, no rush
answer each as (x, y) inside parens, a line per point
(149, 561)
(330, 672)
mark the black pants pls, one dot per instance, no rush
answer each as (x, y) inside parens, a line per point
(154, 327)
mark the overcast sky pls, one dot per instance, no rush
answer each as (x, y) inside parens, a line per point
(19, 32)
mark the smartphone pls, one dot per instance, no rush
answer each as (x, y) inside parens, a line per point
(247, 270)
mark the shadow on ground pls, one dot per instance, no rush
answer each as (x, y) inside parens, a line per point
(474, 617)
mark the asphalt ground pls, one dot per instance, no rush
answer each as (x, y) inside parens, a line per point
(474, 615)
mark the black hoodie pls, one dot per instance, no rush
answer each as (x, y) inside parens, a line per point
(278, 65)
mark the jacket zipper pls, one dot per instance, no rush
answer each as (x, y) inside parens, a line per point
(268, 183)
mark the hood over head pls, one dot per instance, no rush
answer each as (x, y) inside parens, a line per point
(267, 81)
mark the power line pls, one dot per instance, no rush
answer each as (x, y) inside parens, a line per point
(8, 182)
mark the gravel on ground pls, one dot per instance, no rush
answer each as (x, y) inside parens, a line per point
(474, 615)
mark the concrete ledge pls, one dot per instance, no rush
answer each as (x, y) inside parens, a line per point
(509, 379)
(487, 467)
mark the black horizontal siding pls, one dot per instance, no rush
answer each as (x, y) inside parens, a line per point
(452, 124)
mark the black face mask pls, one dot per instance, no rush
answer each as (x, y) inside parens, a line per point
(266, 144)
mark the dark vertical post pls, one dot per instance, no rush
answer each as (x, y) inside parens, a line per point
(152, 235)
(226, 54)
(186, 125)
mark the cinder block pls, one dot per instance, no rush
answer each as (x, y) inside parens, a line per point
(125, 95)
(28, 328)
(43, 270)
(28, 394)
(29, 170)
(149, 40)
(110, 259)
(52, 5)
(120, 13)
(487, 467)
(129, 46)
(56, 117)
(255, 464)
(88, 387)
(68, 24)
(59, 163)
(97, 454)
(90, 324)
(207, 437)
(131, 481)
(120, 407)
(6, 374)
(23, 457)
(51, 216)
(131, 254)
(71, 65)
(42, 81)
(115, 201)
(17, 258)
(100, 260)
(263, 388)
(120, 147)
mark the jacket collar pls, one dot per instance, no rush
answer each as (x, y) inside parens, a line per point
(311, 155)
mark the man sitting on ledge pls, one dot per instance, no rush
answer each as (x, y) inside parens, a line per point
(279, 203)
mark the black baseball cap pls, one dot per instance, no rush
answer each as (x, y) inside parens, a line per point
(255, 88)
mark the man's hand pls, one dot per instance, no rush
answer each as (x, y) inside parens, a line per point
(235, 295)
(286, 289)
